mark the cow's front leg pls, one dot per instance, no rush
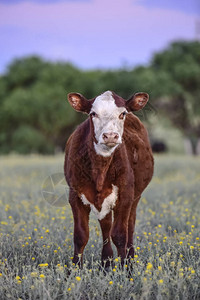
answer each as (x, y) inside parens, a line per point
(120, 226)
(107, 252)
(81, 226)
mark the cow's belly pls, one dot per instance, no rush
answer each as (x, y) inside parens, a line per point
(107, 205)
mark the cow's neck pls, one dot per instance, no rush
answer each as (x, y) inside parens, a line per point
(99, 168)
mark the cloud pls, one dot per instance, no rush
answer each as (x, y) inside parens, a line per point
(99, 16)
(91, 33)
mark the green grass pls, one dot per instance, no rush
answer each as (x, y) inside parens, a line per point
(36, 238)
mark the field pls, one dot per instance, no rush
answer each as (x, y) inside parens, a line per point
(36, 237)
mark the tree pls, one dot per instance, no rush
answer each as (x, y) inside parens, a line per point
(34, 106)
(33, 102)
(181, 65)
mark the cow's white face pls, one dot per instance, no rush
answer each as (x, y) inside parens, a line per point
(108, 120)
(108, 112)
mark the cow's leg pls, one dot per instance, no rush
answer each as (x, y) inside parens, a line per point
(81, 226)
(131, 227)
(107, 252)
(120, 228)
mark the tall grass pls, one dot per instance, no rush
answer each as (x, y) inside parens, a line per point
(36, 238)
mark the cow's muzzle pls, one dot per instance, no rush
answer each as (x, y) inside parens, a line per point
(111, 139)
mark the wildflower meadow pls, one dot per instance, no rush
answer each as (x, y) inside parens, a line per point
(36, 237)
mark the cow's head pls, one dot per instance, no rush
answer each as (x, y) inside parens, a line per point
(107, 112)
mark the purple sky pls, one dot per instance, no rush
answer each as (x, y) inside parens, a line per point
(94, 33)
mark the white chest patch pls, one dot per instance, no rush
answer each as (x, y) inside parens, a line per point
(108, 203)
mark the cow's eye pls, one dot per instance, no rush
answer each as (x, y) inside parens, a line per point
(93, 114)
(122, 115)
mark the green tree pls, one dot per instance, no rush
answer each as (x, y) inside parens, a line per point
(24, 72)
(180, 63)
(33, 102)
(34, 106)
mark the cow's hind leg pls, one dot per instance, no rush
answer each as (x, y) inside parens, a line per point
(81, 226)
(107, 252)
(120, 229)
(131, 228)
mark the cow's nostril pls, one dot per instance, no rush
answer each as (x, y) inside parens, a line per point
(116, 136)
(105, 136)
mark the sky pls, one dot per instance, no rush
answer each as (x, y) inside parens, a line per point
(94, 33)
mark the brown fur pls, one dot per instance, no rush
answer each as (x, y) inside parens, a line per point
(130, 168)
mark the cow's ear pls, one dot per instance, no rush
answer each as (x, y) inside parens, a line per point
(137, 102)
(79, 102)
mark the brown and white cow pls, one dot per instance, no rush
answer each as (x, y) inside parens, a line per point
(108, 164)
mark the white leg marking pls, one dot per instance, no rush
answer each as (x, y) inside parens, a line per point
(108, 203)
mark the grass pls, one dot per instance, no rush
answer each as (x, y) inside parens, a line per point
(36, 238)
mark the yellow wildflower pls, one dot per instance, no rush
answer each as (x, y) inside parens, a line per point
(149, 266)
(78, 278)
(17, 277)
(131, 279)
(4, 223)
(34, 274)
(172, 263)
(43, 265)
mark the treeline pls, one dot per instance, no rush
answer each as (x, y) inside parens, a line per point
(36, 117)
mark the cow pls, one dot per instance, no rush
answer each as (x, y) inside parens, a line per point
(108, 164)
(158, 146)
